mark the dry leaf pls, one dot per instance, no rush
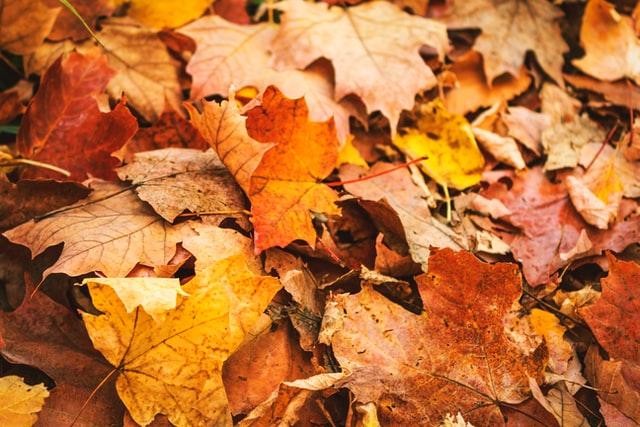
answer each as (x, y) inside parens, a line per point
(175, 367)
(419, 368)
(621, 93)
(358, 41)
(174, 180)
(64, 126)
(607, 160)
(24, 24)
(20, 402)
(472, 91)
(446, 139)
(283, 192)
(110, 231)
(68, 25)
(509, 30)
(612, 48)
(166, 13)
(526, 126)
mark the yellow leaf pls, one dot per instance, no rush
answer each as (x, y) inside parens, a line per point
(446, 139)
(19, 402)
(155, 295)
(167, 13)
(350, 155)
(174, 367)
(548, 326)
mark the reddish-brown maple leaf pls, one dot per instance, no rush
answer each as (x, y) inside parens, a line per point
(63, 125)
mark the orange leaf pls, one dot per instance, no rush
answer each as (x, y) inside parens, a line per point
(285, 187)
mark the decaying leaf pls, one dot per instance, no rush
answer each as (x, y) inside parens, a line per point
(175, 367)
(402, 196)
(509, 30)
(20, 401)
(445, 360)
(173, 180)
(64, 126)
(283, 195)
(446, 139)
(24, 24)
(612, 48)
(110, 231)
(359, 41)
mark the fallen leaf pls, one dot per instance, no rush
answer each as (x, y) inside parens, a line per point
(173, 180)
(349, 154)
(561, 404)
(170, 131)
(526, 126)
(145, 72)
(472, 91)
(243, 60)
(618, 93)
(607, 160)
(20, 401)
(110, 231)
(46, 54)
(165, 13)
(548, 326)
(24, 24)
(64, 126)
(397, 191)
(47, 335)
(282, 198)
(549, 225)
(446, 140)
(232, 10)
(613, 417)
(156, 296)
(224, 128)
(192, 343)
(503, 148)
(419, 368)
(26, 199)
(67, 25)
(509, 30)
(358, 40)
(610, 43)
(597, 201)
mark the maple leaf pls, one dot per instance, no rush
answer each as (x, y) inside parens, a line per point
(285, 187)
(174, 367)
(47, 335)
(20, 401)
(230, 55)
(110, 231)
(510, 29)
(551, 228)
(26, 199)
(64, 126)
(24, 24)
(171, 130)
(173, 180)
(68, 25)
(419, 368)
(397, 191)
(446, 140)
(471, 90)
(165, 13)
(373, 48)
(610, 43)
(224, 128)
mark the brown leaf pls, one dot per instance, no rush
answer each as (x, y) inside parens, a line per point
(110, 231)
(64, 126)
(373, 47)
(174, 180)
(230, 55)
(397, 191)
(509, 30)
(419, 368)
(472, 91)
(618, 93)
(526, 126)
(27, 199)
(69, 26)
(24, 24)
(550, 226)
(49, 336)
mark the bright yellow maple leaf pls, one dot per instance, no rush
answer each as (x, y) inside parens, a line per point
(174, 367)
(19, 402)
(446, 139)
(166, 13)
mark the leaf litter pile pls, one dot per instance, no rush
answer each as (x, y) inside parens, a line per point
(299, 213)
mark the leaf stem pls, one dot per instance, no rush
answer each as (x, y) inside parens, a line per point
(73, 10)
(19, 162)
(375, 175)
